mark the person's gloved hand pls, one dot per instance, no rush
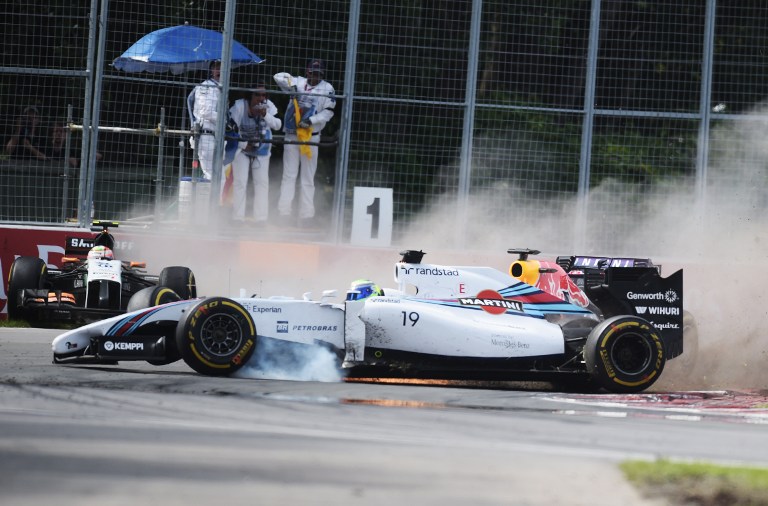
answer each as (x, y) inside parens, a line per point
(305, 123)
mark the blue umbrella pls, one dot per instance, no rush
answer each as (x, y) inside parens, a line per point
(180, 49)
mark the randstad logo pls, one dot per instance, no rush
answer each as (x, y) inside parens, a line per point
(429, 271)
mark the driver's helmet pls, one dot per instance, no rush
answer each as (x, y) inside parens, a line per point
(100, 253)
(362, 289)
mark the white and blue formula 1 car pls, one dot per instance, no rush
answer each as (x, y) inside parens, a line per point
(585, 321)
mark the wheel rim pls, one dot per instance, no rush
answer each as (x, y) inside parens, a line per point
(221, 335)
(631, 353)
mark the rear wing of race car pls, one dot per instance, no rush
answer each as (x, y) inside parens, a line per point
(633, 286)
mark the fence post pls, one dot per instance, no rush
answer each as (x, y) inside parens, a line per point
(159, 175)
(587, 126)
(65, 176)
(702, 146)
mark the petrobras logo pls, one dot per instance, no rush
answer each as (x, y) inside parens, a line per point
(429, 271)
(315, 328)
(492, 302)
(282, 327)
(112, 346)
(670, 296)
(669, 311)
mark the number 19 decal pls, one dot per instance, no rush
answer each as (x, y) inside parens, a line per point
(411, 317)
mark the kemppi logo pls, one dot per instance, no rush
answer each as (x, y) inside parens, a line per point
(112, 346)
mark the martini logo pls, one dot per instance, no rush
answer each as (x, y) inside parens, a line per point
(492, 302)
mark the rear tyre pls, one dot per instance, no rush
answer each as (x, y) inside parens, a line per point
(26, 272)
(150, 297)
(179, 279)
(216, 337)
(624, 354)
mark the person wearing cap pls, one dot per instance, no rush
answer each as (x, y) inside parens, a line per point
(202, 105)
(255, 117)
(22, 142)
(309, 110)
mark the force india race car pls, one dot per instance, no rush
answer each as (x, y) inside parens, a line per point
(91, 284)
(585, 321)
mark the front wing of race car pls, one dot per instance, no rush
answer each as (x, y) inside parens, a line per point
(47, 307)
(211, 332)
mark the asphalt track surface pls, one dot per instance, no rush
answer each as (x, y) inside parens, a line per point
(140, 434)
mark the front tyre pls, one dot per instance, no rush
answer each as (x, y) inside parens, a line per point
(624, 354)
(26, 272)
(216, 336)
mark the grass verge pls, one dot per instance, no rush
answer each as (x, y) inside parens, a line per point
(699, 484)
(20, 324)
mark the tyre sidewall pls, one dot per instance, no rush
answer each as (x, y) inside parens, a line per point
(155, 296)
(179, 279)
(603, 369)
(193, 336)
(151, 296)
(25, 272)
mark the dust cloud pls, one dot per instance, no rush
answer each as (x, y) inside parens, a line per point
(719, 238)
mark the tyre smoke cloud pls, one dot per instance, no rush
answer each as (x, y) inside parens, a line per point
(280, 360)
